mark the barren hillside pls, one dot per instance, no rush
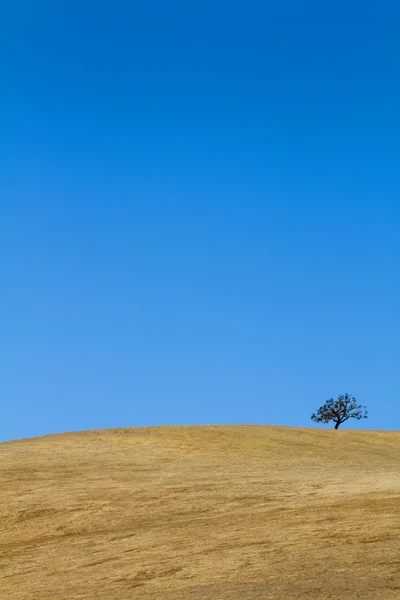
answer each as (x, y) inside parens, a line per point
(238, 513)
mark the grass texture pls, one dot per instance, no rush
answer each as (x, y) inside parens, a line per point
(189, 513)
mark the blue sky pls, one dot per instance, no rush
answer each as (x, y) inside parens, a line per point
(199, 213)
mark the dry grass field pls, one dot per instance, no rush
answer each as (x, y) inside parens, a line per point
(176, 513)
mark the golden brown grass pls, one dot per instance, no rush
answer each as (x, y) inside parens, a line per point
(238, 513)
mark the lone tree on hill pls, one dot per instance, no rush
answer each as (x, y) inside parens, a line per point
(340, 410)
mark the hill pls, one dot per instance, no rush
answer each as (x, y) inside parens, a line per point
(224, 512)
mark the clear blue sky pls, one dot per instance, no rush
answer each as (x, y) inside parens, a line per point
(200, 210)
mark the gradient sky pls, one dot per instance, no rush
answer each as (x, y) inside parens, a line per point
(200, 212)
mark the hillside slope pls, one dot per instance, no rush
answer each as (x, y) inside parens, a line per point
(238, 513)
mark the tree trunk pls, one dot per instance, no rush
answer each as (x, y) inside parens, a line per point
(337, 424)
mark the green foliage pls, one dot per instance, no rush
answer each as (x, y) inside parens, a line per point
(340, 410)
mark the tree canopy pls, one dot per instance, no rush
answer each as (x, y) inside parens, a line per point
(340, 410)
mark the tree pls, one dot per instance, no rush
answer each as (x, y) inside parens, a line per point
(340, 410)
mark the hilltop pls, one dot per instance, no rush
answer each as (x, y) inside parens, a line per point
(224, 512)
